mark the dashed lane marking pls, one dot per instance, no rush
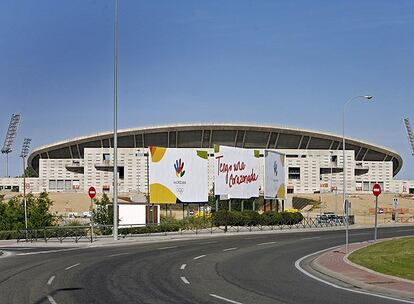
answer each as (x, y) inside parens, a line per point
(185, 280)
(224, 299)
(117, 254)
(169, 247)
(48, 251)
(51, 300)
(310, 238)
(51, 280)
(229, 249)
(199, 257)
(72, 266)
(266, 243)
(183, 266)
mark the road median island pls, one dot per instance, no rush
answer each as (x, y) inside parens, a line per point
(335, 266)
(392, 257)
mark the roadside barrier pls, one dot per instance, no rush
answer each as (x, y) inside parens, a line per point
(84, 233)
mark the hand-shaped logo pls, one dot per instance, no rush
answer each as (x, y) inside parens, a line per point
(179, 168)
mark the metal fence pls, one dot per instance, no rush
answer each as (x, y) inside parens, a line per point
(84, 233)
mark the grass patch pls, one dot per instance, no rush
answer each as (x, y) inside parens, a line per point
(394, 257)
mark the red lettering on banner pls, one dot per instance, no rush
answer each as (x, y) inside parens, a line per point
(235, 179)
(242, 179)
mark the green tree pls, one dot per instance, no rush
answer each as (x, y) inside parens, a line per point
(38, 212)
(104, 214)
(39, 215)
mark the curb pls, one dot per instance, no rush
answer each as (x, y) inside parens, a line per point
(405, 295)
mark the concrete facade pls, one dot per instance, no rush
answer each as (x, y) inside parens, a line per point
(307, 171)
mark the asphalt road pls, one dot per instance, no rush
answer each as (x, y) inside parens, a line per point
(244, 269)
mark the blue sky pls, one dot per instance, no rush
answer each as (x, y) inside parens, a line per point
(288, 63)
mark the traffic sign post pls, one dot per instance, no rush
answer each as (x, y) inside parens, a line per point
(395, 207)
(92, 194)
(376, 190)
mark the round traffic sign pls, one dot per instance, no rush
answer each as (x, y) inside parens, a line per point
(92, 192)
(376, 189)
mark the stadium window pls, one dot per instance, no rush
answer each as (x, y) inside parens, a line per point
(106, 157)
(68, 184)
(52, 184)
(60, 184)
(294, 173)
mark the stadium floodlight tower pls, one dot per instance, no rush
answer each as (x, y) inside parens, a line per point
(23, 155)
(10, 138)
(410, 134)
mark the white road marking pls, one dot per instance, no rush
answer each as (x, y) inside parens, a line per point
(298, 267)
(51, 280)
(224, 299)
(211, 242)
(229, 249)
(267, 243)
(70, 267)
(169, 247)
(185, 280)
(199, 257)
(310, 238)
(117, 254)
(51, 300)
(48, 251)
(183, 266)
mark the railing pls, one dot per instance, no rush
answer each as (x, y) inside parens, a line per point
(84, 233)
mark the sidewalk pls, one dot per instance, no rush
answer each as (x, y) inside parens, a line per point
(172, 236)
(335, 264)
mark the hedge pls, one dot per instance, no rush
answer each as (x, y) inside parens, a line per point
(252, 218)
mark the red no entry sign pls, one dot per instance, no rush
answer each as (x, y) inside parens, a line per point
(376, 189)
(92, 192)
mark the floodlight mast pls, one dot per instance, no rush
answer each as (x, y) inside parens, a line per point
(410, 134)
(10, 138)
(23, 155)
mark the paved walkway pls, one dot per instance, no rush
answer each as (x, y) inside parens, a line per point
(335, 263)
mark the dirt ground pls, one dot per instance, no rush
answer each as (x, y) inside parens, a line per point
(362, 205)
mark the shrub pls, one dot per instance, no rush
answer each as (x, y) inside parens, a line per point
(8, 235)
(253, 218)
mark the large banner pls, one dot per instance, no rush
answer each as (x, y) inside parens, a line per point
(275, 175)
(178, 175)
(236, 172)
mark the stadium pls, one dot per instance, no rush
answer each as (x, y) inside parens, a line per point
(314, 159)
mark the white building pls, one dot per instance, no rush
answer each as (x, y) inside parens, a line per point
(314, 159)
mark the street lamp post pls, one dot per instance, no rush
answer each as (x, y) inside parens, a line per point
(367, 97)
(115, 190)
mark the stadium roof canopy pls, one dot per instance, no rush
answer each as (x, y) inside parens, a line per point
(205, 135)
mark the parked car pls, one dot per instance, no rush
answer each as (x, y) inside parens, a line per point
(87, 214)
(329, 218)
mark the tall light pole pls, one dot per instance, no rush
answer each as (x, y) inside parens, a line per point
(23, 155)
(115, 192)
(10, 138)
(367, 97)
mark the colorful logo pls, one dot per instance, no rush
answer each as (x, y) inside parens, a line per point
(275, 171)
(179, 168)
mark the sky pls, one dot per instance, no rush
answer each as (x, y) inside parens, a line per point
(290, 63)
